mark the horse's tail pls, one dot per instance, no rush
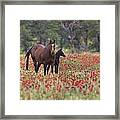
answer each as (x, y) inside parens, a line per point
(27, 55)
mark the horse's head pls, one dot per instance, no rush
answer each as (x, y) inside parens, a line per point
(61, 53)
(51, 46)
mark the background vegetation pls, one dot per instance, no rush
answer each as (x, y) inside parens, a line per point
(71, 35)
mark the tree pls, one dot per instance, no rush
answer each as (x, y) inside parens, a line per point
(75, 35)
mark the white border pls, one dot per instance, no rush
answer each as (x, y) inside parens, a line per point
(104, 13)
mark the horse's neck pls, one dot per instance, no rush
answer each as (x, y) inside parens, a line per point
(57, 56)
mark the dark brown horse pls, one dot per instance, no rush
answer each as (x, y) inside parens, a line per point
(41, 55)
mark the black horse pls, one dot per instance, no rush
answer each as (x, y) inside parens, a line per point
(56, 61)
(41, 55)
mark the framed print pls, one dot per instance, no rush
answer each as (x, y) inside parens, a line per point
(60, 59)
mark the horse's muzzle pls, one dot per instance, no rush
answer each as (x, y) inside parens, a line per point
(52, 52)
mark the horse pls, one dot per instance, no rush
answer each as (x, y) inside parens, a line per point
(56, 61)
(41, 55)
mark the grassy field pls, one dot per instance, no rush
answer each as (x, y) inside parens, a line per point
(78, 79)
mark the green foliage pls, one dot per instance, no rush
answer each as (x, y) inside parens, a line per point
(72, 35)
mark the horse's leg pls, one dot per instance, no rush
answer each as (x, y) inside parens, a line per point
(35, 64)
(52, 68)
(45, 69)
(37, 67)
(56, 68)
(48, 67)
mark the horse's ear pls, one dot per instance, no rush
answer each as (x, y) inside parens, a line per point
(50, 41)
(53, 41)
